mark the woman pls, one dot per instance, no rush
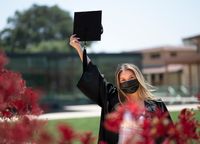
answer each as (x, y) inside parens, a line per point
(131, 86)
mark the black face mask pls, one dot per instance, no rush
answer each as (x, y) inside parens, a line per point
(130, 86)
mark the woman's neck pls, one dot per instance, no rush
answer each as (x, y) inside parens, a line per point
(134, 97)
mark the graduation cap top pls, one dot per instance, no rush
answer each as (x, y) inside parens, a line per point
(87, 25)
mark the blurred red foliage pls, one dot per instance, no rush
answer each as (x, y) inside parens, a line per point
(18, 105)
(158, 129)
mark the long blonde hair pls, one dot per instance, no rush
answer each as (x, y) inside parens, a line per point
(145, 89)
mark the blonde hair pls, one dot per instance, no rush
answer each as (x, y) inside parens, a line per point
(145, 89)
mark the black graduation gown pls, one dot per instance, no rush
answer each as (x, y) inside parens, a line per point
(94, 86)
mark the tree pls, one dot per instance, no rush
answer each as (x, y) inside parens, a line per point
(29, 29)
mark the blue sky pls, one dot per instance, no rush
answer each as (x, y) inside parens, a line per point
(128, 24)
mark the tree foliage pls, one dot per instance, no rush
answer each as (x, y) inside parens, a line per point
(28, 30)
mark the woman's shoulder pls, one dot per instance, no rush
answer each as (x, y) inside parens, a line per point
(158, 102)
(154, 100)
(153, 103)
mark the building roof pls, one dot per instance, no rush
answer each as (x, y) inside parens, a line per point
(192, 38)
(168, 48)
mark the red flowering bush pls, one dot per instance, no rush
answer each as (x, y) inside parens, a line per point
(69, 136)
(187, 129)
(23, 130)
(157, 128)
(18, 110)
(17, 104)
(16, 99)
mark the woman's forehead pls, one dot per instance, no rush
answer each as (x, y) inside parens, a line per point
(126, 72)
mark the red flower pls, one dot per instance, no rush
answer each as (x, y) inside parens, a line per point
(133, 108)
(67, 134)
(87, 138)
(45, 138)
(31, 98)
(6, 113)
(114, 119)
(11, 85)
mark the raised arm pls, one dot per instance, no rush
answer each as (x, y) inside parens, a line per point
(92, 83)
(75, 43)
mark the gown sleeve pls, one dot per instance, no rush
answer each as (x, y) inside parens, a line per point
(95, 87)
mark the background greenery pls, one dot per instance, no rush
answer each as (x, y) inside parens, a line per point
(38, 28)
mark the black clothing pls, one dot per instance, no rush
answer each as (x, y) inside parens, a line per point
(94, 86)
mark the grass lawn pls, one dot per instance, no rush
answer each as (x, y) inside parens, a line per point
(79, 125)
(174, 115)
(91, 124)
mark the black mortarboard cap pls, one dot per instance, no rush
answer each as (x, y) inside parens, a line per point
(87, 25)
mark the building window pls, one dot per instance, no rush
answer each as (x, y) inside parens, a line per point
(173, 54)
(155, 55)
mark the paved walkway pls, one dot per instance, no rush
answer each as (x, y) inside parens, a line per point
(80, 111)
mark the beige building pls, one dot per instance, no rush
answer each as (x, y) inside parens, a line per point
(175, 67)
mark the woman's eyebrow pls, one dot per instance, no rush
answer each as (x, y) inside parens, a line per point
(132, 75)
(121, 79)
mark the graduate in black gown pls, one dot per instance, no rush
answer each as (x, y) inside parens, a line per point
(130, 86)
